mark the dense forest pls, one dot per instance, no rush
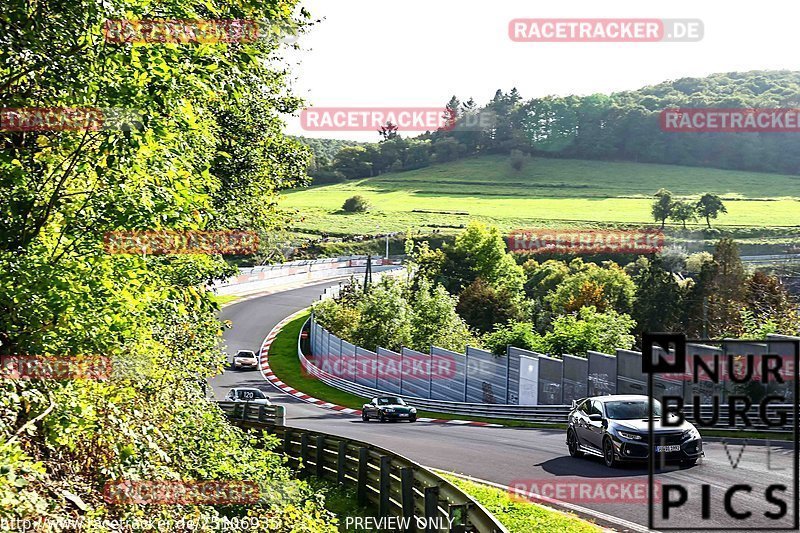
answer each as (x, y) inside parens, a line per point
(622, 126)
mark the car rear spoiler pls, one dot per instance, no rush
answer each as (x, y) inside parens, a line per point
(576, 402)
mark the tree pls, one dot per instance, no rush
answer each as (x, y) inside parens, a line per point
(710, 206)
(62, 294)
(452, 112)
(434, 321)
(355, 204)
(353, 162)
(662, 207)
(683, 212)
(388, 131)
(486, 251)
(516, 334)
(482, 306)
(541, 279)
(658, 300)
(607, 287)
(577, 333)
(768, 302)
(385, 317)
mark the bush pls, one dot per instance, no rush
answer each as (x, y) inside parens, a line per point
(517, 160)
(695, 262)
(482, 306)
(517, 334)
(587, 329)
(356, 204)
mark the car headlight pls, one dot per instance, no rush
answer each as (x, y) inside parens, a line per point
(390, 410)
(691, 433)
(629, 436)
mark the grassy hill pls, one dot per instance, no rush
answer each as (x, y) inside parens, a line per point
(546, 192)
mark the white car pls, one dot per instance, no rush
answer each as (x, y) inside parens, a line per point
(245, 359)
(247, 394)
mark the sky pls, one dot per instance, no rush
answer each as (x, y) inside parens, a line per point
(421, 52)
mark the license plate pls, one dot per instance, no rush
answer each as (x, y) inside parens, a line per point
(672, 448)
(403, 414)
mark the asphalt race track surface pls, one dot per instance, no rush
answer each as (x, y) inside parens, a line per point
(526, 455)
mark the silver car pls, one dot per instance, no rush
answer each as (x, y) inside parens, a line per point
(245, 359)
(247, 394)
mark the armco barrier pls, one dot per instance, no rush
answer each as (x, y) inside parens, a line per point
(393, 484)
(263, 277)
(555, 414)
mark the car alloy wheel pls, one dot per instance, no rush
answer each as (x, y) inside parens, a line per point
(413, 418)
(572, 444)
(364, 417)
(383, 418)
(608, 453)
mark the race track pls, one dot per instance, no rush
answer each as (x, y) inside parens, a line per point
(511, 455)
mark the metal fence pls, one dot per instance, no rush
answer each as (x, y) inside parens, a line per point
(390, 483)
(519, 378)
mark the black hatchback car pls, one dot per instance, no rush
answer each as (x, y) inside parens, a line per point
(616, 429)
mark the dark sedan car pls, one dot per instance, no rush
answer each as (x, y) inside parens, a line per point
(388, 408)
(616, 429)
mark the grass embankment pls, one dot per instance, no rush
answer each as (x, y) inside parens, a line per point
(520, 515)
(285, 364)
(224, 299)
(545, 193)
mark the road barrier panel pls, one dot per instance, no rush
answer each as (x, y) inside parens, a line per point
(391, 483)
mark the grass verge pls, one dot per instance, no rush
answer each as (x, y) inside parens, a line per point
(518, 514)
(223, 299)
(285, 364)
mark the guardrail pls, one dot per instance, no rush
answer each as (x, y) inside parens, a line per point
(393, 484)
(538, 414)
(263, 277)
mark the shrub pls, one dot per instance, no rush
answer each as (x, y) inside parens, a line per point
(695, 262)
(587, 329)
(482, 306)
(517, 334)
(356, 204)
(517, 160)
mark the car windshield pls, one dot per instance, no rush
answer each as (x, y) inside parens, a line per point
(246, 354)
(390, 401)
(251, 395)
(630, 409)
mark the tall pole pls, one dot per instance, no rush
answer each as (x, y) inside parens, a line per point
(368, 274)
(387, 246)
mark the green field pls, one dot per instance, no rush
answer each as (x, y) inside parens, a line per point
(546, 192)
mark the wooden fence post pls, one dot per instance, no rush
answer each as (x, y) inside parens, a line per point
(361, 488)
(385, 480)
(341, 462)
(431, 508)
(407, 495)
(320, 458)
